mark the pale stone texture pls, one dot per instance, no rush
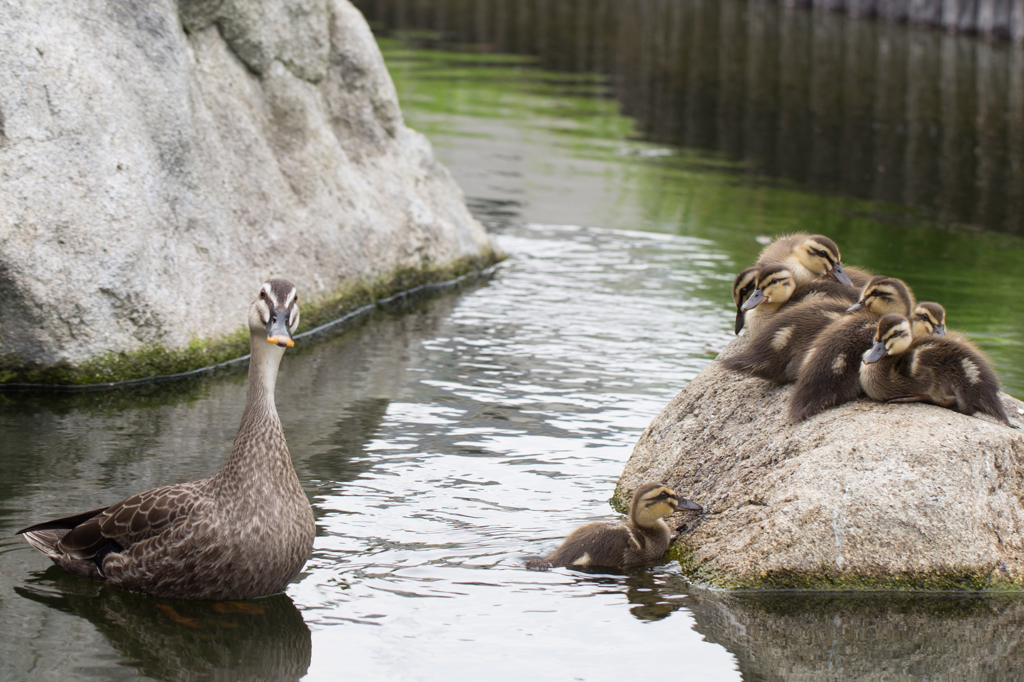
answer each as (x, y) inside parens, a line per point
(157, 164)
(895, 494)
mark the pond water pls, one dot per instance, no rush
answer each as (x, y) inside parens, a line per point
(442, 440)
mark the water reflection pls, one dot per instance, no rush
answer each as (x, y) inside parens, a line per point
(185, 641)
(870, 110)
(844, 637)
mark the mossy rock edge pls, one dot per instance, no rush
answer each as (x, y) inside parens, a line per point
(154, 361)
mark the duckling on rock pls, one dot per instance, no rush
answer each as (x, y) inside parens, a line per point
(778, 348)
(243, 533)
(641, 539)
(941, 370)
(830, 372)
(809, 256)
(776, 286)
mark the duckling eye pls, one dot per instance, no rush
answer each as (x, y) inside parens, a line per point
(263, 294)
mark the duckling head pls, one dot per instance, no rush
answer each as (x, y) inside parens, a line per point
(742, 287)
(275, 312)
(884, 295)
(775, 284)
(820, 255)
(892, 337)
(652, 501)
(929, 318)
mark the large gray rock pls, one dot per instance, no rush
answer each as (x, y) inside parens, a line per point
(867, 495)
(158, 162)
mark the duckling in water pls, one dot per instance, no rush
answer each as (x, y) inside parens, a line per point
(830, 372)
(778, 349)
(742, 287)
(777, 286)
(643, 538)
(936, 369)
(928, 318)
(809, 256)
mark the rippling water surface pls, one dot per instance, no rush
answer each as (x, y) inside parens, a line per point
(443, 440)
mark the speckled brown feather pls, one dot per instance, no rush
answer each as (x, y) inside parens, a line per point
(242, 533)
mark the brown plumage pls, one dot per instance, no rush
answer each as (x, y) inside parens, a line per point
(242, 533)
(776, 288)
(830, 373)
(928, 318)
(782, 338)
(941, 370)
(641, 539)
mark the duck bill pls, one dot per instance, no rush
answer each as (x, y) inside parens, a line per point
(876, 353)
(839, 275)
(685, 504)
(277, 329)
(939, 329)
(753, 300)
(740, 320)
(855, 307)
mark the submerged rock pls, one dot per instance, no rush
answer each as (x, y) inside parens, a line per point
(867, 495)
(158, 160)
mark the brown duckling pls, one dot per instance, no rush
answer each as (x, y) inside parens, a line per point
(742, 287)
(937, 369)
(830, 372)
(777, 286)
(243, 533)
(778, 349)
(641, 539)
(928, 318)
(809, 256)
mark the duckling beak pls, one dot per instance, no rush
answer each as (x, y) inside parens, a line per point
(740, 320)
(839, 275)
(877, 352)
(753, 300)
(855, 307)
(939, 329)
(683, 503)
(277, 329)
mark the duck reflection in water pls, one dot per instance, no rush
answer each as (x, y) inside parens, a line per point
(180, 640)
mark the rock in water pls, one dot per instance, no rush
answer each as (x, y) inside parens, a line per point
(867, 495)
(160, 159)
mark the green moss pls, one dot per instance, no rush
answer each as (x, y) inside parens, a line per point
(983, 579)
(155, 361)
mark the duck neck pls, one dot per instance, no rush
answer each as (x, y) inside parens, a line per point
(260, 454)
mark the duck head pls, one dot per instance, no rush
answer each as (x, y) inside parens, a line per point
(742, 287)
(775, 284)
(892, 337)
(820, 255)
(652, 501)
(884, 295)
(929, 318)
(275, 312)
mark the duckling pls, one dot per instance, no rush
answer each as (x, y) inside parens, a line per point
(928, 318)
(777, 351)
(809, 256)
(742, 287)
(776, 286)
(243, 533)
(643, 538)
(937, 369)
(830, 372)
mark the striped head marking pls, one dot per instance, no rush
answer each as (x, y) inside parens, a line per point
(892, 337)
(775, 284)
(820, 255)
(275, 312)
(884, 295)
(929, 318)
(652, 501)
(742, 287)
